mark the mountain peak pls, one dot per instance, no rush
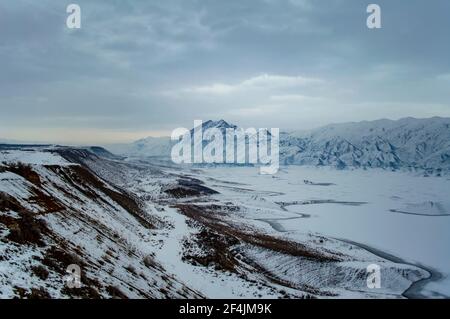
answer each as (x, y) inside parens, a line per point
(221, 124)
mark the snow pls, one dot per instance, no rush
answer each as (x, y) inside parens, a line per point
(14, 185)
(212, 284)
(418, 239)
(93, 227)
(257, 198)
(422, 144)
(409, 142)
(14, 273)
(396, 213)
(32, 157)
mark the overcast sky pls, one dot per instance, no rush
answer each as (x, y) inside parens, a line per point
(139, 68)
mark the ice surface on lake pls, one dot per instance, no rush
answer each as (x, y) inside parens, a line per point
(398, 213)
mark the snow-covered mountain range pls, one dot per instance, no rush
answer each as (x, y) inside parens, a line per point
(409, 143)
(406, 143)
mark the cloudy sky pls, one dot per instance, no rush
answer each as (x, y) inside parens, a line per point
(139, 68)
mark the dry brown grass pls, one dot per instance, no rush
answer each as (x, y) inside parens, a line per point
(26, 172)
(210, 219)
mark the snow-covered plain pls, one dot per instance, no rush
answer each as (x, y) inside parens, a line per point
(396, 213)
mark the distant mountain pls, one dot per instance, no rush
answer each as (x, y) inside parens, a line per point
(102, 152)
(221, 125)
(410, 143)
(406, 143)
(150, 146)
(160, 146)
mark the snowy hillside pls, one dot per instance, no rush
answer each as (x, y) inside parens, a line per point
(54, 213)
(406, 143)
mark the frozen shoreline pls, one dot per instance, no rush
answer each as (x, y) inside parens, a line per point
(419, 240)
(416, 290)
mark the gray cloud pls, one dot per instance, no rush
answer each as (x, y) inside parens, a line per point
(142, 67)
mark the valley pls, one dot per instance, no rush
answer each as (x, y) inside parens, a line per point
(141, 229)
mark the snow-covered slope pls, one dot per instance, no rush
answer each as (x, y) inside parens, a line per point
(55, 213)
(406, 143)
